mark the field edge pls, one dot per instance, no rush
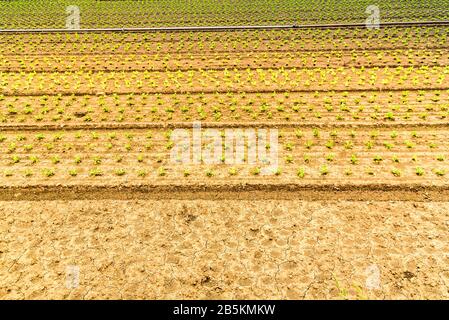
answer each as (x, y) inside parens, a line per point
(242, 191)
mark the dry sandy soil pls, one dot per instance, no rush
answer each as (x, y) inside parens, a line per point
(224, 249)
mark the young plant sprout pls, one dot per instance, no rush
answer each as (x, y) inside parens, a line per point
(324, 170)
(419, 171)
(301, 172)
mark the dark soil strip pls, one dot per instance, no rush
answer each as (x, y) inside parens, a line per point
(231, 28)
(377, 192)
(219, 125)
(212, 91)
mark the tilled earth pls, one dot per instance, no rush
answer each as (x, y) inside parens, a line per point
(224, 249)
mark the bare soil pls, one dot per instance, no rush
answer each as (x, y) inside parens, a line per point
(192, 249)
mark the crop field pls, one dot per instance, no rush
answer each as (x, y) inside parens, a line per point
(89, 166)
(19, 14)
(353, 107)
